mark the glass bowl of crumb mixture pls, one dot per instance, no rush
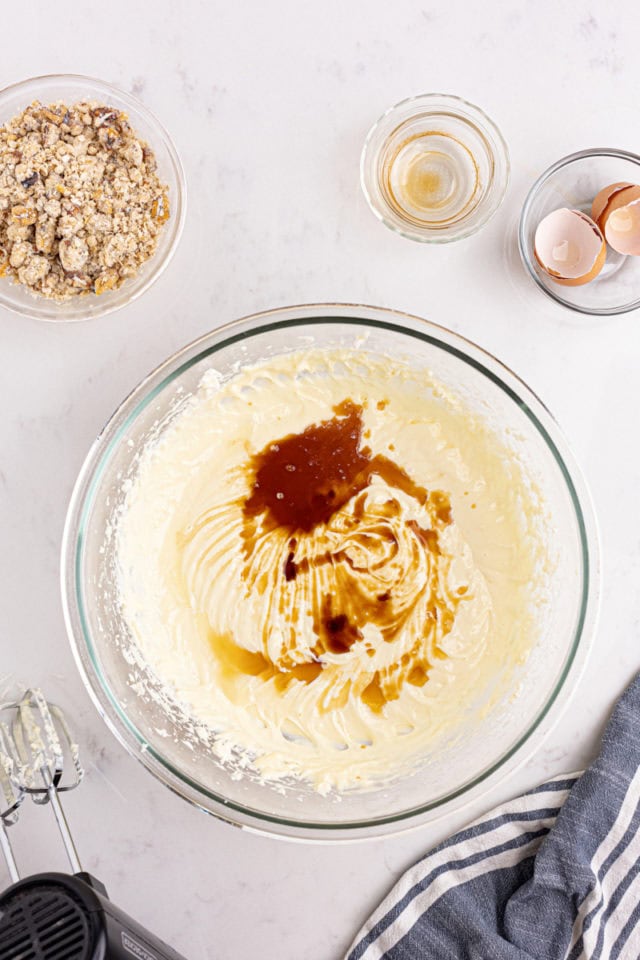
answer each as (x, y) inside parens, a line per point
(92, 198)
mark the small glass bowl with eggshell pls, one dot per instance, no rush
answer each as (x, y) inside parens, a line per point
(579, 233)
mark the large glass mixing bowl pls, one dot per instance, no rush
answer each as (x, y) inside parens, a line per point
(495, 742)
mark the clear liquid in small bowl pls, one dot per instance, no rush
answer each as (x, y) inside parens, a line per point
(431, 178)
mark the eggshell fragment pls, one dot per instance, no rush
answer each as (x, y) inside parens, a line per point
(619, 220)
(623, 229)
(569, 247)
(601, 201)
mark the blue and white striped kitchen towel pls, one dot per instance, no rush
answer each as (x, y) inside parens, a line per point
(552, 875)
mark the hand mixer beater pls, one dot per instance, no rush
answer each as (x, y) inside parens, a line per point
(55, 916)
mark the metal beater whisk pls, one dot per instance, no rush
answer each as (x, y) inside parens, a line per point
(35, 748)
(12, 797)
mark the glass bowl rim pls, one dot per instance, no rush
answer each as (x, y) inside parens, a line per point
(484, 122)
(526, 258)
(136, 105)
(107, 442)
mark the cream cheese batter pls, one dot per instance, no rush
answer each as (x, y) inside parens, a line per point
(334, 642)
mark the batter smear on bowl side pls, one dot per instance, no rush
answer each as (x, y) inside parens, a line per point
(328, 560)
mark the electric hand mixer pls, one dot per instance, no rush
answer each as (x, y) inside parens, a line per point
(55, 916)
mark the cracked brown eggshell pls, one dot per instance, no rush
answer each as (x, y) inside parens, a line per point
(569, 247)
(601, 200)
(617, 211)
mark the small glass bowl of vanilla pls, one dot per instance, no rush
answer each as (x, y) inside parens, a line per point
(434, 168)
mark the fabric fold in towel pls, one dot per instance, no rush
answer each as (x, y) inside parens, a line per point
(551, 875)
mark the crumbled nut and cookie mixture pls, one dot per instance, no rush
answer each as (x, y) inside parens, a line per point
(81, 203)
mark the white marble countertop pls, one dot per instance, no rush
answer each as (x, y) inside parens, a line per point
(269, 104)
